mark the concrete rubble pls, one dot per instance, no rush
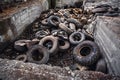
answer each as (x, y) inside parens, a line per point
(107, 36)
(16, 70)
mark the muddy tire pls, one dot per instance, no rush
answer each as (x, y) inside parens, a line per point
(101, 66)
(20, 45)
(21, 58)
(53, 46)
(86, 53)
(87, 35)
(76, 38)
(41, 50)
(63, 45)
(65, 28)
(54, 20)
(44, 22)
(40, 34)
(111, 14)
(63, 35)
(32, 43)
(103, 5)
(72, 26)
(100, 10)
(76, 22)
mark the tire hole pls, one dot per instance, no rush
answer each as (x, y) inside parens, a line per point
(85, 51)
(77, 37)
(48, 44)
(36, 55)
(55, 20)
(61, 42)
(21, 59)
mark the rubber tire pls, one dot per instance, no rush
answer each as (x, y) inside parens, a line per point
(64, 47)
(50, 22)
(101, 66)
(87, 35)
(72, 41)
(32, 43)
(40, 34)
(72, 26)
(54, 40)
(89, 59)
(41, 49)
(44, 22)
(103, 5)
(100, 10)
(21, 56)
(19, 47)
(99, 14)
(63, 35)
(76, 22)
(65, 28)
(111, 14)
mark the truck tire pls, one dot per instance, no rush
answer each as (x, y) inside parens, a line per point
(65, 28)
(21, 58)
(101, 66)
(86, 53)
(21, 46)
(76, 38)
(54, 20)
(41, 51)
(63, 45)
(53, 46)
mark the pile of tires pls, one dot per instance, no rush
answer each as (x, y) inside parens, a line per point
(106, 10)
(61, 30)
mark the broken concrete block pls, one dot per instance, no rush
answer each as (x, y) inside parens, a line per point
(17, 70)
(107, 36)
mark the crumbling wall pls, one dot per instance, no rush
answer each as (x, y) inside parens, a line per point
(107, 36)
(15, 21)
(60, 3)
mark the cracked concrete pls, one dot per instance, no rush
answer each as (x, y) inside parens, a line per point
(17, 70)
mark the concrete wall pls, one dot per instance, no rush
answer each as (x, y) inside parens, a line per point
(60, 3)
(13, 25)
(115, 3)
(107, 36)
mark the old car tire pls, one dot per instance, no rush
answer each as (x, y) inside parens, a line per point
(32, 43)
(21, 58)
(101, 66)
(111, 14)
(103, 5)
(53, 40)
(76, 22)
(86, 53)
(41, 51)
(100, 10)
(65, 28)
(63, 45)
(54, 20)
(76, 38)
(87, 35)
(40, 34)
(44, 22)
(62, 34)
(20, 45)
